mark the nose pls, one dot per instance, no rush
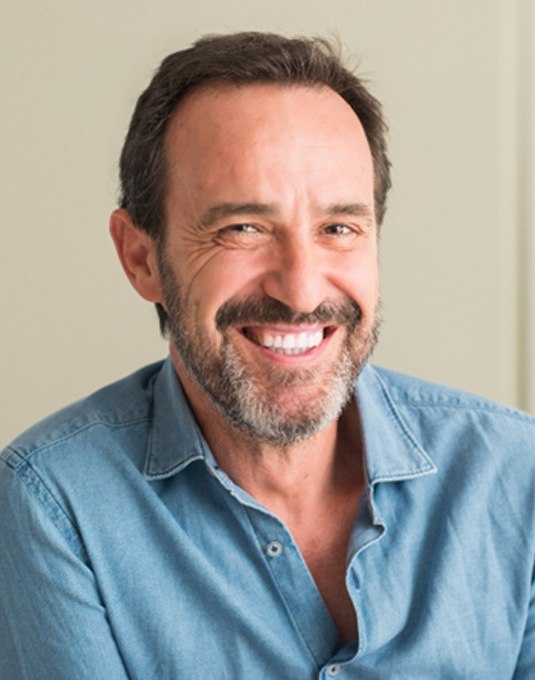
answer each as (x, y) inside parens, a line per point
(296, 275)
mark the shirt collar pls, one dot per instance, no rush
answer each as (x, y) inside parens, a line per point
(174, 438)
(392, 451)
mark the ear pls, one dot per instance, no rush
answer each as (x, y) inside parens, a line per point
(137, 252)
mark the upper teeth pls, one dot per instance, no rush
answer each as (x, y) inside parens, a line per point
(290, 343)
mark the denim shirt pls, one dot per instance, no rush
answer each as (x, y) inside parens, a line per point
(126, 552)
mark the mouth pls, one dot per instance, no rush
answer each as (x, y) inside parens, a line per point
(287, 342)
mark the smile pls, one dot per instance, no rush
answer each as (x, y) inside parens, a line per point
(286, 343)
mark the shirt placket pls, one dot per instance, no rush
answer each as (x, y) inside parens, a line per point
(295, 585)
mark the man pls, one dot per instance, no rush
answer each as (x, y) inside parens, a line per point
(249, 508)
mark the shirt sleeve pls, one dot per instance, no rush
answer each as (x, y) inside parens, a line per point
(52, 621)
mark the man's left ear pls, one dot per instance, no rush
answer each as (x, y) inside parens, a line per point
(137, 252)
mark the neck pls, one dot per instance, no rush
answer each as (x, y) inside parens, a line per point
(287, 480)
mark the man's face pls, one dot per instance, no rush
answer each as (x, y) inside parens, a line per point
(269, 266)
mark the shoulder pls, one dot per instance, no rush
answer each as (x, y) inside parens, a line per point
(423, 394)
(78, 462)
(444, 418)
(483, 451)
(118, 406)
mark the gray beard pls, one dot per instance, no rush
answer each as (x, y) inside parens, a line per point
(250, 404)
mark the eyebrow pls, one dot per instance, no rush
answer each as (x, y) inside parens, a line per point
(355, 209)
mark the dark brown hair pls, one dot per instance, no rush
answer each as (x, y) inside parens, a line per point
(240, 58)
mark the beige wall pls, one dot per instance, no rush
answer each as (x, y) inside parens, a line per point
(456, 243)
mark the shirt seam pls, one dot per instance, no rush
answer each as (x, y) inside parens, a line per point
(24, 455)
(34, 485)
(490, 410)
(455, 399)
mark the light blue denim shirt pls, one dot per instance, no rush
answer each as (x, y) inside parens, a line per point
(125, 552)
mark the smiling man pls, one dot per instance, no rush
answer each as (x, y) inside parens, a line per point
(265, 504)
(268, 265)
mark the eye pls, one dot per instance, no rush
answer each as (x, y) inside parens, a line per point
(340, 229)
(340, 235)
(239, 229)
(244, 228)
(240, 235)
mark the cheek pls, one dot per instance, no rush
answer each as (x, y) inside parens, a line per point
(225, 276)
(371, 292)
(359, 279)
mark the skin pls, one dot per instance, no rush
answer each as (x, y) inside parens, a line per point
(276, 202)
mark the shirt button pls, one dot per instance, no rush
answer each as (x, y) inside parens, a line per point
(274, 549)
(333, 670)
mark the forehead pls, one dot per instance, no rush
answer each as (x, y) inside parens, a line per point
(240, 113)
(266, 134)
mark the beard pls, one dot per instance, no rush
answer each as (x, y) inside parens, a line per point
(281, 405)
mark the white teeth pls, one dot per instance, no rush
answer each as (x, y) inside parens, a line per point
(302, 340)
(289, 343)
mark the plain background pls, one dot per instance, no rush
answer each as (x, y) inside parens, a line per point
(456, 79)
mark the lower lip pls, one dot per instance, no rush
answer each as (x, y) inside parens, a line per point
(294, 359)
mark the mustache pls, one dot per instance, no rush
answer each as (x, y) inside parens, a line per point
(264, 311)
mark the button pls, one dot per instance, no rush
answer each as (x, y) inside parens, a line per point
(274, 549)
(333, 670)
